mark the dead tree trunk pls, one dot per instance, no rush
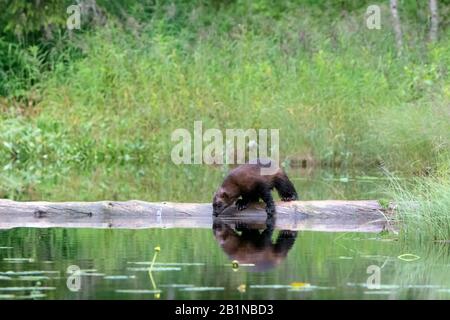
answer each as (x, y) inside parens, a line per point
(434, 23)
(397, 25)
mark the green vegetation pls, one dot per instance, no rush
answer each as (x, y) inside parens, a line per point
(423, 208)
(101, 102)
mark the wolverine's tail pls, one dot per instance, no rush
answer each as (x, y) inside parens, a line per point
(285, 188)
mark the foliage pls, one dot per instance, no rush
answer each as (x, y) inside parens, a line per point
(110, 94)
(423, 208)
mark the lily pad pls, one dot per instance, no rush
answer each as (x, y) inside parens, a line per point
(381, 286)
(310, 288)
(203, 289)
(300, 285)
(167, 263)
(18, 260)
(90, 274)
(269, 286)
(156, 269)
(408, 257)
(26, 273)
(241, 265)
(137, 291)
(382, 292)
(33, 278)
(176, 285)
(27, 288)
(119, 277)
(423, 286)
(33, 295)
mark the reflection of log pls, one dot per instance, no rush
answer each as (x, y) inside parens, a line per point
(328, 215)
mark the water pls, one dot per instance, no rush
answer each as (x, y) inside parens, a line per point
(224, 261)
(196, 264)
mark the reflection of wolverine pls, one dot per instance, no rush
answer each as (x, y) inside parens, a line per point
(252, 246)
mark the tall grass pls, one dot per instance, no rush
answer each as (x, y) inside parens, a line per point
(423, 208)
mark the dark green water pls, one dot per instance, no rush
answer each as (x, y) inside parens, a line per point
(197, 263)
(324, 266)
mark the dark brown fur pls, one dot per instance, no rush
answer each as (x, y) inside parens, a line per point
(245, 184)
(246, 244)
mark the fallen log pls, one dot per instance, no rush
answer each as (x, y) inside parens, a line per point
(330, 215)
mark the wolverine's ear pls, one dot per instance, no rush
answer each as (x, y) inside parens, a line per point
(225, 195)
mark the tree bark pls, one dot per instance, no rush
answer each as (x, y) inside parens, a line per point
(397, 25)
(434, 20)
(330, 215)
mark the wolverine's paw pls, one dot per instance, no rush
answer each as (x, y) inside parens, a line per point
(291, 198)
(287, 234)
(241, 205)
(240, 226)
(270, 222)
(270, 211)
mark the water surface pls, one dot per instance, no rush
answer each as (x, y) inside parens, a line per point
(199, 264)
(220, 262)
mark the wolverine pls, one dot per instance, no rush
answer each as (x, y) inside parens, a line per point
(246, 184)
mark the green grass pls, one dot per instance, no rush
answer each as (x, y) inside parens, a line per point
(344, 106)
(423, 209)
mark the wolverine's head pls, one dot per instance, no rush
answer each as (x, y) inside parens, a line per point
(221, 201)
